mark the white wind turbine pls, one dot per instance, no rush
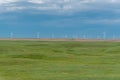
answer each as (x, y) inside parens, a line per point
(84, 36)
(38, 35)
(104, 35)
(11, 35)
(66, 36)
(53, 36)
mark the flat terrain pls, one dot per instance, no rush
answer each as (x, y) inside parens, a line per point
(61, 39)
(59, 60)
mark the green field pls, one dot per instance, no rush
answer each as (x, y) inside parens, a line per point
(44, 60)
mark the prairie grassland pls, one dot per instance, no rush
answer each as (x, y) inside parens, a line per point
(45, 60)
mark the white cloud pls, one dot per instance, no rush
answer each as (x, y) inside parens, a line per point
(57, 5)
(36, 1)
(103, 21)
(7, 1)
(113, 1)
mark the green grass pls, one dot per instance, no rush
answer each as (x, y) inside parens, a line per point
(42, 60)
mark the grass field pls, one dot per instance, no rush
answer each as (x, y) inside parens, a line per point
(44, 60)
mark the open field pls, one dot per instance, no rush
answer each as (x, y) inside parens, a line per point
(59, 60)
(61, 39)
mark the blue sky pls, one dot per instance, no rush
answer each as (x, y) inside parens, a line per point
(60, 18)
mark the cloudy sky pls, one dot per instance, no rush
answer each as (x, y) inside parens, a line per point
(59, 18)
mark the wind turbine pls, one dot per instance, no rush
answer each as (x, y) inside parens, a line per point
(38, 35)
(11, 35)
(76, 36)
(113, 37)
(104, 35)
(98, 37)
(66, 36)
(53, 36)
(84, 36)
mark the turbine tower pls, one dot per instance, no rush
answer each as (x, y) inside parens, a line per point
(53, 36)
(113, 37)
(11, 35)
(84, 36)
(104, 35)
(66, 36)
(38, 35)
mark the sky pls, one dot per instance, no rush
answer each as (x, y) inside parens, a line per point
(59, 18)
